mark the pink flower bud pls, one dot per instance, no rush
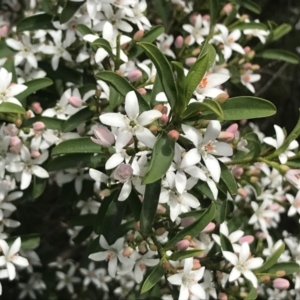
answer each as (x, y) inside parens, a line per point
(246, 239)
(281, 283)
(142, 248)
(193, 18)
(247, 66)
(173, 135)
(142, 91)
(164, 119)
(187, 221)
(247, 49)
(75, 101)
(227, 8)
(222, 98)
(35, 153)
(127, 252)
(36, 107)
(138, 35)
(160, 209)
(103, 137)
(222, 296)
(38, 126)
(196, 264)
(226, 136)
(209, 227)
(237, 172)
(14, 141)
(190, 61)
(242, 192)
(134, 75)
(233, 128)
(182, 245)
(293, 177)
(4, 30)
(123, 172)
(206, 17)
(187, 40)
(179, 42)
(164, 110)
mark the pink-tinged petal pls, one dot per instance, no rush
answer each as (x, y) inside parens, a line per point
(212, 132)
(15, 247)
(148, 117)
(98, 256)
(223, 149)
(251, 277)
(234, 274)
(16, 89)
(114, 161)
(103, 242)
(125, 191)
(176, 279)
(20, 261)
(198, 290)
(123, 138)
(245, 252)
(213, 187)
(113, 119)
(231, 257)
(254, 263)
(192, 134)
(131, 105)
(180, 181)
(25, 179)
(112, 266)
(184, 292)
(213, 166)
(40, 172)
(191, 158)
(146, 137)
(279, 135)
(4, 249)
(11, 269)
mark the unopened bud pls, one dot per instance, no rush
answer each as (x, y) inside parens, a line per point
(255, 67)
(75, 101)
(142, 248)
(265, 278)
(142, 91)
(247, 49)
(173, 135)
(237, 172)
(164, 119)
(281, 284)
(209, 227)
(196, 51)
(225, 136)
(233, 128)
(182, 245)
(104, 193)
(127, 251)
(193, 18)
(196, 264)
(137, 225)
(161, 209)
(138, 35)
(103, 136)
(253, 172)
(254, 179)
(4, 30)
(18, 122)
(130, 237)
(35, 153)
(242, 192)
(160, 231)
(227, 8)
(14, 141)
(244, 17)
(139, 239)
(28, 114)
(246, 239)
(166, 266)
(206, 17)
(153, 247)
(153, 128)
(280, 273)
(38, 126)
(190, 61)
(179, 42)
(187, 40)
(251, 54)
(158, 107)
(222, 296)
(222, 98)
(187, 221)
(36, 107)
(134, 75)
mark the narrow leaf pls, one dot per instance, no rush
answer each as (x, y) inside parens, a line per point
(278, 54)
(5, 51)
(82, 116)
(39, 21)
(7, 107)
(69, 11)
(185, 254)
(155, 275)
(28, 241)
(102, 43)
(287, 267)
(228, 179)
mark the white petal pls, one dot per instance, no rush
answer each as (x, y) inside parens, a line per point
(270, 141)
(191, 158)
(114, 161)
(123, 138)
(11, 271)
(279, 135)
(15, 247)
(112, 266)
(113, 119)
(148, 117)
(131, 105)
(254, 263)
(20, 261)
(176, 279)
(213, 167)
(231, 257)
(234, 274)
(180, 181)
(192, 134)
(25, 179)
(125, 191)
(198, 290)
(251, 277)
(146, 137)
(244, 253)
(223, 149)
(40, 172)
(212, 131)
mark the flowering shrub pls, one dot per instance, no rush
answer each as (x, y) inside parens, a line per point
(118, 113)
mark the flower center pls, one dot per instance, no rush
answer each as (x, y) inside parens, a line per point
(203, 83)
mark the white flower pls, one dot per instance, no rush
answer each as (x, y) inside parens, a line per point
(164, 43)
(247, 78)
(10, 257)
(132, 124)
(188, 280)
(88, 206)
(295, 204)
(259, 33)
(8, 91)
(198, 31)
(243, 264)
(283, 157)
(67, 280)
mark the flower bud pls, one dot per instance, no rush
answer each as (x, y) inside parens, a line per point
(160, 209)
(190, 61)
(222, 98)
(265, 278)
(237, 172)
(280, 273)
(127, 251)
(251, 54)
(14, 141)
(244, 17)
(196, 264)
(142, 91)
(153, 247)
(123, 172)
(255, 67)
(187, 221)
(160, 231)
(104, 193)
(209, 227)
(35, 153)
(138, 35)
(137, 225)
(18, 122)
(196, 51)
(233, 128)
(36, 107)
(227, 8)
(222, 296)
(206, 17)
(193, 18)
(158, 107)
(182, 245)
(293, 177)
(281, 284)
(38, 126)
(187, 40)
(142, 248)
(103, 137)
(179, 42)
(4, 30)
(173, 135)
(153, 128)
(247, 49)
(75, 101)
(226, 136)
(134, 75)
(246, 239)
(166, 266)
(164, 119)
(242, 192)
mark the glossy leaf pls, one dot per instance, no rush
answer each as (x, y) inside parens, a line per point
(164, 71)
(195, 228)
(228, 179)
(33, 86)
(84, 30)
(69, 11)
(82, 116)
(51, 123)
(83, 220)
(278, 54)
(28, 241)
(247, 107)
(252, 6)
(122, 86)
(225, 243)
(161, 159)
(102, 43)
(287, 267)
(214, 11)
(80, 145)
(39, 185)
(250, 25)
(7, 107)
(35, 22)
(135, 204)
(252, 295)
(155, 275)
(185, 254)
(9, 65)
(102, 212)
(5, 51)
(279, 32)
(149, 205)
(180, 80)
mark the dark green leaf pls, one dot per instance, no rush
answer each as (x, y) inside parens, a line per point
(82, 116)
(155, 275)
(9, 65)
(7, 107)
(279, 32)
(102, 43)
(84, 30)
(214, 11)
(149, 205)
(5, 51)
(185, 254)
(102, 212)
(135, 204)
(83, 220)
(33, 23)
(278, 54)
(252, 295)
(228, 179)
(180, 79)
(69, 11)
(225, 243)
(28, 241)
(162, 157)
(287, 267)
(252, 6)
(250, 25)
(39, 185)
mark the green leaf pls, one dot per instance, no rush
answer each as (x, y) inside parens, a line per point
(180, 79)
(252, 6)
(5, 51)
(228, 179)
(115, 98)
(33, 86)
(252, 295)
(33, 23)
(135, 204)
(80, 145)
(195, 75)
(278, 54)
(28, 241)
(164, 11)
(203, 108)
(7, 107)
(272, 259)
(195, 228)
(39, 185)
(102, 212)
(247, 107)
(164, 71)
(155, 275)
(122, 86)
(102, 43)
(162, 157)
(225, 243)
(51, 123)
(83, 220)
(279, 32)
(214, 11)
(287, 267)
(84, 30)
(157, 88)
(82, 116)
(223, 210)
(149, 37)
(149, 205)
(250, 25)
(185, 254)
(69, 11)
